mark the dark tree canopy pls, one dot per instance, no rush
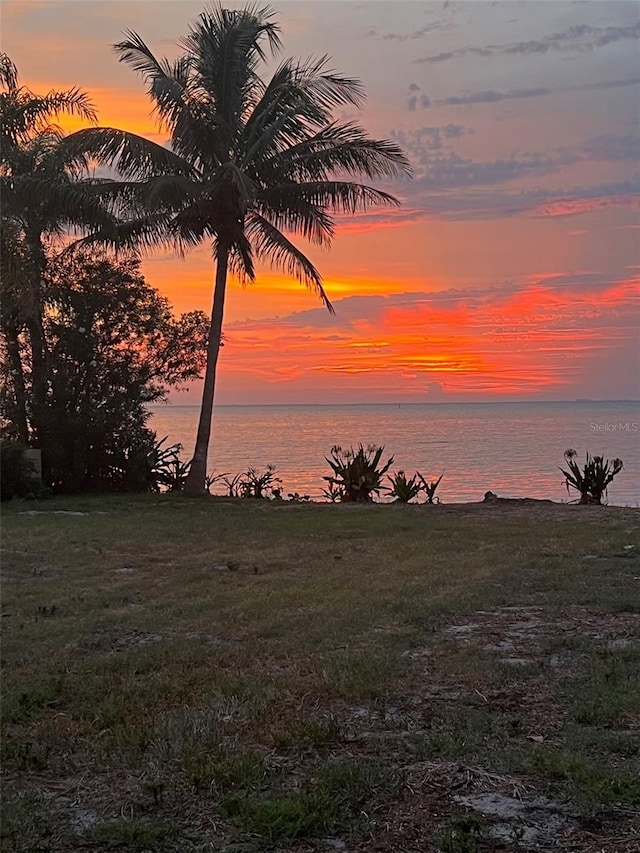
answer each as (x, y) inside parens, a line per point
(114, 346)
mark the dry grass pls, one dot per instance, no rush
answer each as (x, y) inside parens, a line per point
(222, 674)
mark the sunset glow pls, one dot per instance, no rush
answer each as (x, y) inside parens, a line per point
(510, 271)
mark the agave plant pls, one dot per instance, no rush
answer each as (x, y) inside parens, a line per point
(213, 478)
(592, 480)
(254, 484)
(357, 476)
(404, 490)
(233, 485)
(332, 491)
(169, 471)
(430, 488)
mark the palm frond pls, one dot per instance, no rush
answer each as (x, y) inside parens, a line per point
(8, 73)
(338, 196)
(179, 104)
(241, 259)
(17, 298)
(325, 87)
(226, 47)
(298, 98)
(25, 115)
(163, 193)
(140, 235)
(44, 154)
(290, 211)
(281, 118)
(255, 23)
(272, 245)
(54, 202)
(72, 102)
(194, 227)
(342, 147)
(167, 192)
(133, 156)
(135, 53)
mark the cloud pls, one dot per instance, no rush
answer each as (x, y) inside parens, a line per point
(459, 305)
(491, 96)
(614, 147)
(434, 392)
(454, 172)
(437, 166)
(607, 84)
(580, 38)
(417, 100)
(472, 194)
(417, 142)
(536, 334)
(575, 206)
(360, 223)
(416, 34)
(457, 201)
(439, 171)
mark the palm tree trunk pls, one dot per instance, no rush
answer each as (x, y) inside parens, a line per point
(17, 379)
(39, 349)
(194, 484)
(38, 374)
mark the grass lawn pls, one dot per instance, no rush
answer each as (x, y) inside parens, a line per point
(232, 675)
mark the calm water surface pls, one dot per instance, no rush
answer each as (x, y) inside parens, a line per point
(514, 449)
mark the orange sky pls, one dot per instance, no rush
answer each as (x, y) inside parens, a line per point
(511, 269)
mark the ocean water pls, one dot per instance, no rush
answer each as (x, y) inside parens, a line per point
(512, 449)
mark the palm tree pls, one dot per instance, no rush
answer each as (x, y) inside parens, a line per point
(250, 161)
(44, 193)
(15, 304)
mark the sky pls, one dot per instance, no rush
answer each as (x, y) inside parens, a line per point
(511, 269)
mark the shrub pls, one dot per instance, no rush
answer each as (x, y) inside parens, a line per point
(430, 488)
(211, 479)
(592, 481)
(113, 346)
(233, 485)
(253, 484)
(332, 492)
(404, 490)
(297, 498)
(169, 471)
(357, 476)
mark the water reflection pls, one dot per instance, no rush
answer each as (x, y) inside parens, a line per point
(513, 449)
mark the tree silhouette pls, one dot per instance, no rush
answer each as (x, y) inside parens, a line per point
(250, 161)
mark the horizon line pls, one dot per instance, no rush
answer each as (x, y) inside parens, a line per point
(392, 403)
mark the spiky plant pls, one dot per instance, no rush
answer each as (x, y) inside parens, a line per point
(430, 488)
(256, 484)
(356, 473)
(592, 480)
(169, 470)
(250, 161)
(403, 489)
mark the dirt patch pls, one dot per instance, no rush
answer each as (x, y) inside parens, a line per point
(530, 822)
(513, 809)
(536, 509)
